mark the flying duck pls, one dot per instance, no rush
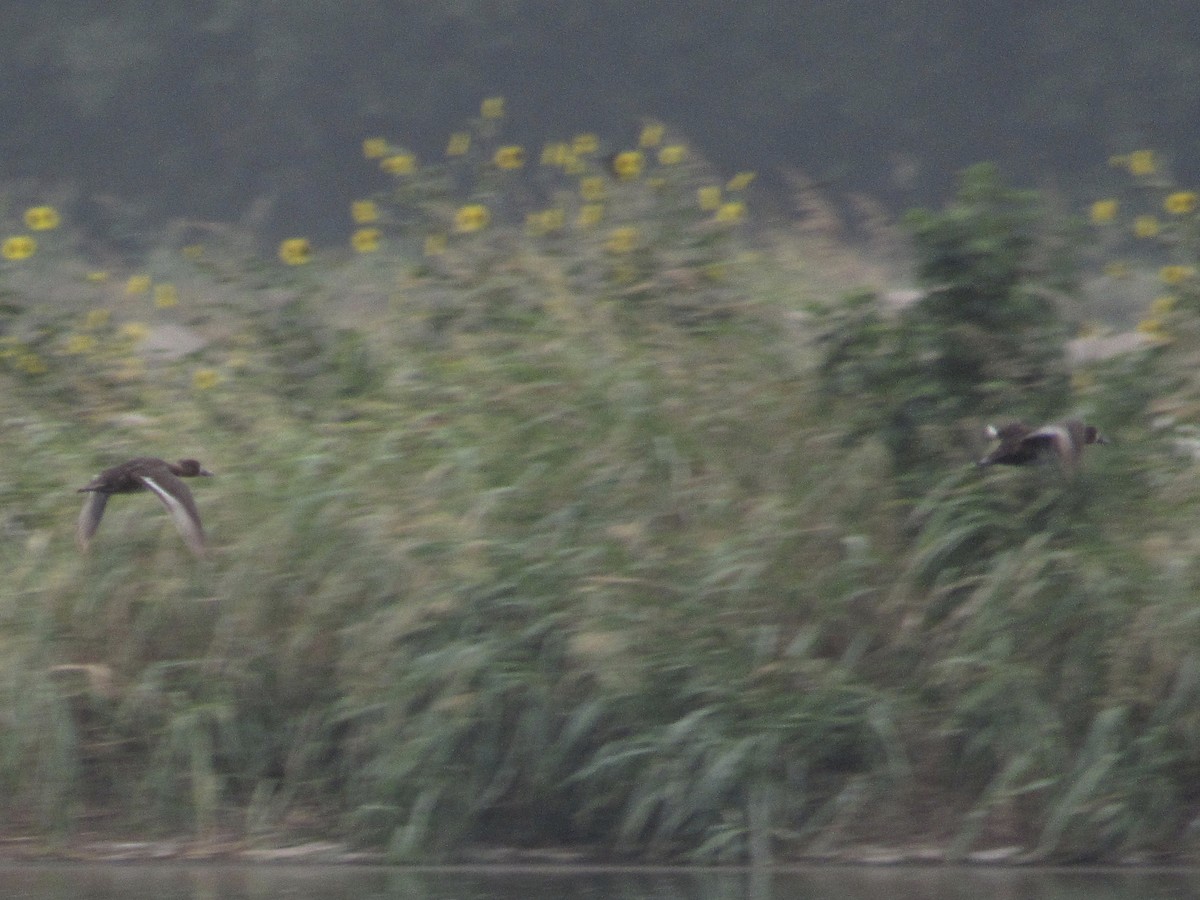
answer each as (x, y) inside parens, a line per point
(1020, 444)
(145, 473)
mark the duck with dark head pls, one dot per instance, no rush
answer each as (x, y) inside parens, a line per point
(1020, 444)
(145, 473)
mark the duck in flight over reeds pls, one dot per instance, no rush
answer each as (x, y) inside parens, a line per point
(145, 473)
(1020, 445)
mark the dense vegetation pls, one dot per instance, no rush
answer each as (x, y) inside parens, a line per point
(631, 534)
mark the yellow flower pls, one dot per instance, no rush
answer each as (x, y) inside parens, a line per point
(1116, 269)
(652, 134)
(590, 214)
(459, 144)
(1180, 203)
(435, 245)
(363, 212)
(509, 157)
(205, 379)
(672, 154)
(622, 240)
(556, 154)
(583, 144)
(591, 188)
(97, 277)
(165, 296)
(19, 246)
(545, 221)
(31, 364)
(1103, 211)
(295, 251)
(492, 108)
(96, 318)
(375, 148)
(137, 284)
(134, 332)
(41, 218)
(1175, 274)
(193, 252)
(365, 240)
(740, 181)
(1145, 226)
(628, 165)
(80, 343)
(1163, 305)
(709, 197)
(1142, 162)
(733, 211)
(472, 217)
(399, 164)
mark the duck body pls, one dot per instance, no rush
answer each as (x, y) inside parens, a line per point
(1020, 444)
(146, 473)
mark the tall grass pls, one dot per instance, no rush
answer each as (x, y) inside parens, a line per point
(524, 557)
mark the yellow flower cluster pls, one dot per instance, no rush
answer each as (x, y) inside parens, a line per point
(41, 218)
(509, 158)
(1175, 274)
(295, 251)
(137, 284)
(1104, 211)
(18, 247)
(1139, 163)
(672, 154)
(733, 211)
(622, 240)
(628, 165)
(473, 155)
(364, 212)
(1145, 227)
(399, 164)
(709, 197)
(652, 135)
(1180, 203)
(740, 181)
(472, 217)
(365, 240)
(492, 108)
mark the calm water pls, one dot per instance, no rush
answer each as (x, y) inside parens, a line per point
(222, 882)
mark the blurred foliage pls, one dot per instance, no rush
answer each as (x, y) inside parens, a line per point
(613, 530)
(984, 338)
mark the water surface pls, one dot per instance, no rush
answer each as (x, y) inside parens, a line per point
(215, 881)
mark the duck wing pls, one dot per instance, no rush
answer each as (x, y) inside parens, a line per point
(177, 498)
(89, 518)
(1057, 439)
